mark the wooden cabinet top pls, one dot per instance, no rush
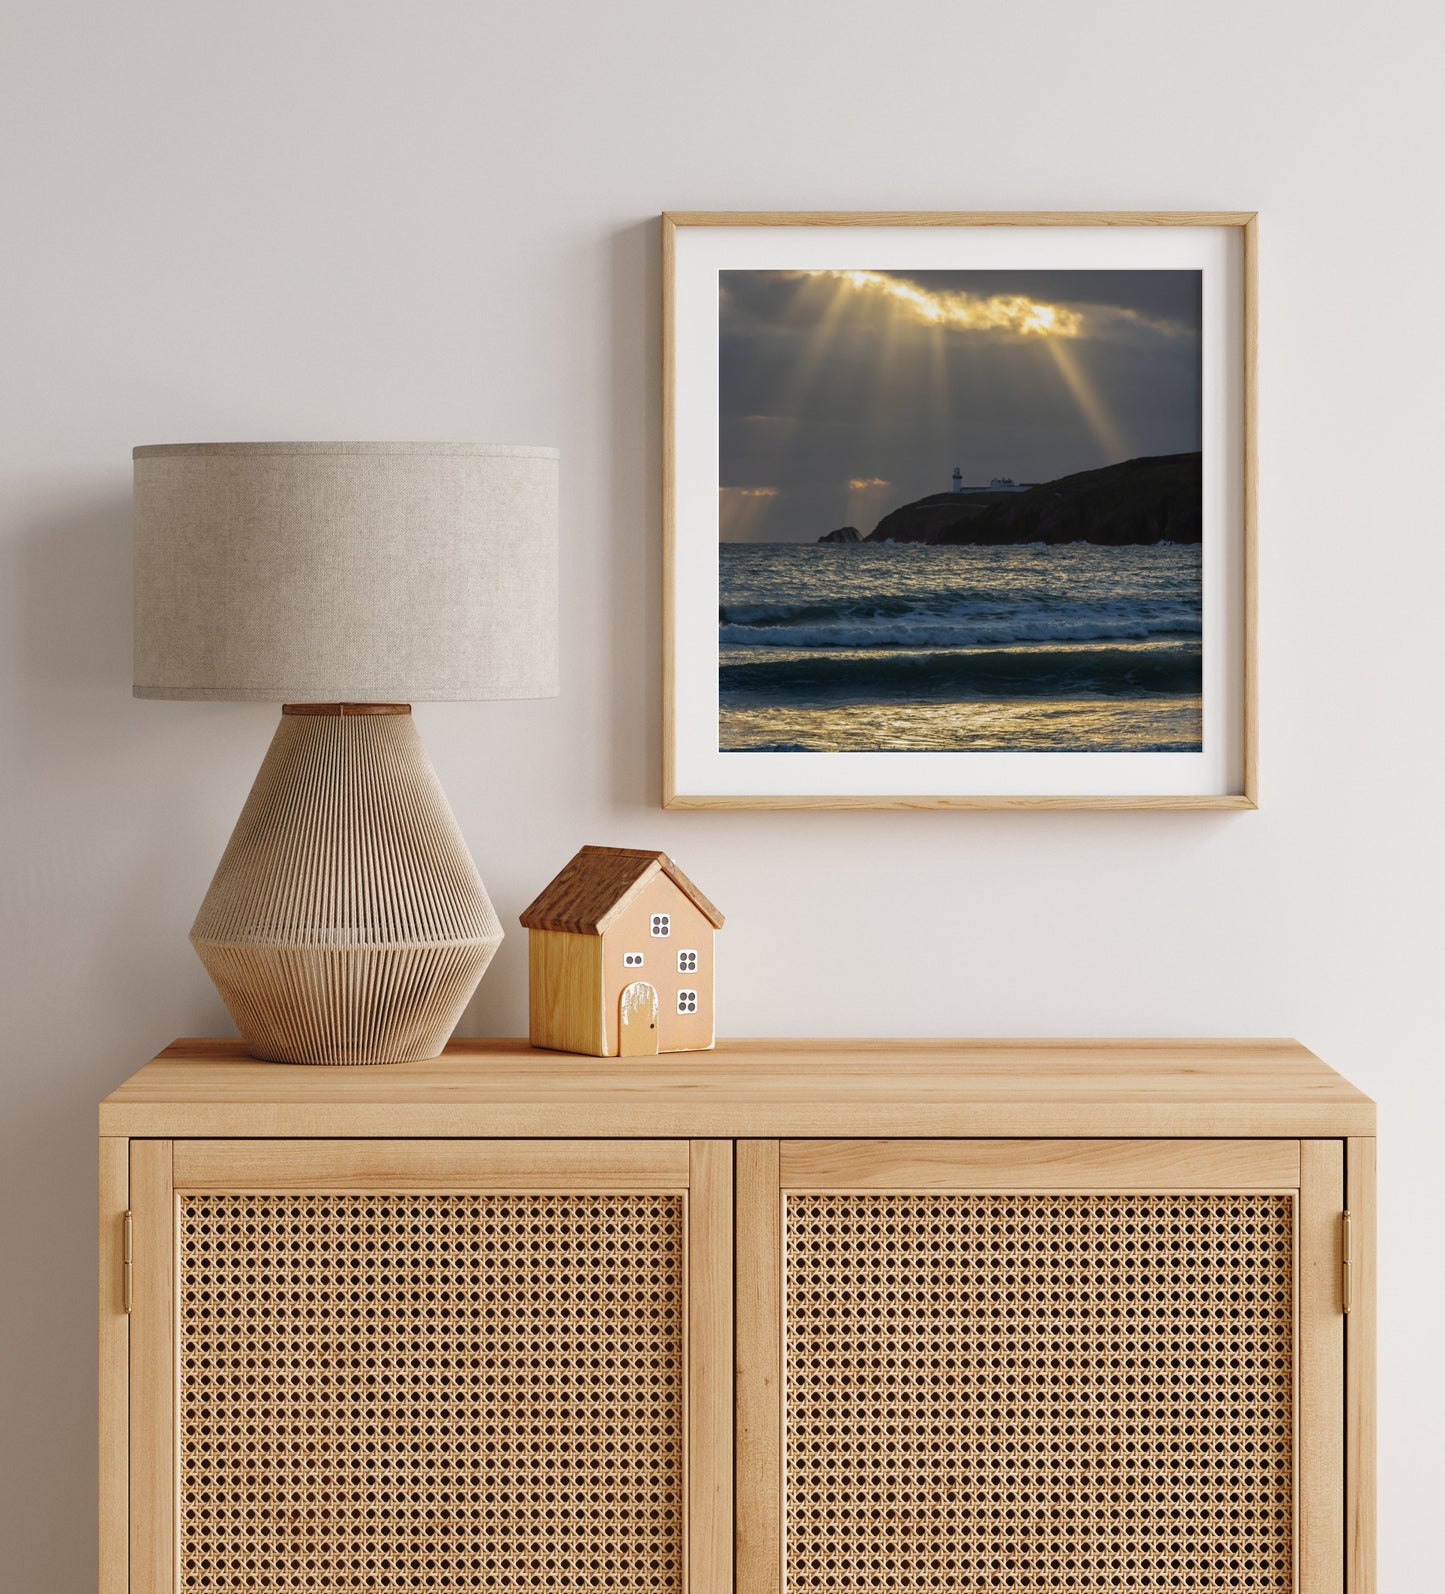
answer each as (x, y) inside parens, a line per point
(758, 1088)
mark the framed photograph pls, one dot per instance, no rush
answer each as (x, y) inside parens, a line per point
(959, 510)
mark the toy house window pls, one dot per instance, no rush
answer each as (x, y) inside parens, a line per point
(632, 960)
(687, 962)
(662, 924)
(687, 1001)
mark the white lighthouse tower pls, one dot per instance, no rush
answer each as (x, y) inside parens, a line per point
(958, 478)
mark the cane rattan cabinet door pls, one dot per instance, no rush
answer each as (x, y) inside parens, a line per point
(1044, 1367)
(431, 1365)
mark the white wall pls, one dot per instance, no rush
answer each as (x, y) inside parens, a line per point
(310, 218)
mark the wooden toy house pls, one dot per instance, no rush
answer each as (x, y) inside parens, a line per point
(620, 957)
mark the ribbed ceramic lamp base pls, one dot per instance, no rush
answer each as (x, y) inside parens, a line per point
(346, 922)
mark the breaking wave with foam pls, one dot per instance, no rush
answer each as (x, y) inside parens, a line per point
(964, 619)
(955, 677)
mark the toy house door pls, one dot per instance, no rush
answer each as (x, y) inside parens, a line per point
(637, 1021)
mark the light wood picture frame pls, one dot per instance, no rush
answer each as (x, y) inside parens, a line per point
(1080, 637)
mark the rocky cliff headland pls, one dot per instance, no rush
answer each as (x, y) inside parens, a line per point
(1158, 498)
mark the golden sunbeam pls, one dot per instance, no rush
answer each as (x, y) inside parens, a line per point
(892, 373)
(969, 312)
(739, 509)
(1091, 404)
(868, 497)
(792, 391)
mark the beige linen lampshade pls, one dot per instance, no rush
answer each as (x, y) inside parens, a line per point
(345, 572)
(346, 922)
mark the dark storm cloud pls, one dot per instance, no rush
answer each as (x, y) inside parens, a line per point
(817, 391)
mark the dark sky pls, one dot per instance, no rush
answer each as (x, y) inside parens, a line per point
(842, 397)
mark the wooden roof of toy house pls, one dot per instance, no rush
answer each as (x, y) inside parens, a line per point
(599, 883)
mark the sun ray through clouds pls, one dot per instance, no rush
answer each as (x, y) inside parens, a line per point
(799, 382)
(1096, 413)
(971, 312)
(867, 500)
(904, 302)
(739, 509)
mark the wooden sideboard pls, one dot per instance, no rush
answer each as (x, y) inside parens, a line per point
(823, 1317)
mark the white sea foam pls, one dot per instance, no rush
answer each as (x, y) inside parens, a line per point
(965, 622)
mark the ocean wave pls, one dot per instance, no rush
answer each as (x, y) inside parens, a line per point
(782, 614)
(955, 677)
(954, 620)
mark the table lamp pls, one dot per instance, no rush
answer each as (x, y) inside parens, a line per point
(346, 922)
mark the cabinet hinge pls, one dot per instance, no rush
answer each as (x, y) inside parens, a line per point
(1347, 1272)
(127, 1261)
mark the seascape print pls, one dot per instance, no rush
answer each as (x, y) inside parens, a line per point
(960, 511)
